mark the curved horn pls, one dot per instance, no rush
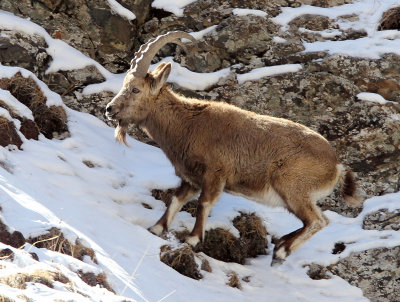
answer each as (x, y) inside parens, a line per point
(140, 64)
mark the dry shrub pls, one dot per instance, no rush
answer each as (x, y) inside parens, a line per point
(44, 277)
(252, 232)
(51, 121)
(234, 280)
(15, 239)
(94, 280)
(55, 241)
(6, 299)
(390, 19)
(222, 245)
(8, 133)
(163, 195)
(6, 254)
(182, 260)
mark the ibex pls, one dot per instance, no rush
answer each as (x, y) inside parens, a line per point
(216, 147)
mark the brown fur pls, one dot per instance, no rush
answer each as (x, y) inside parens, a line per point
(217, 147)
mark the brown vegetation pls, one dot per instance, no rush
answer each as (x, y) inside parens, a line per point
(51, 121)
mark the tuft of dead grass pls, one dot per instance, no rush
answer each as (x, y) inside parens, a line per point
(8, 133)
(252, 232)
(44, 277)
(51, 121)
(181, 260)
(234, 280)
(95, 280)
(390, 19)
(55, 241)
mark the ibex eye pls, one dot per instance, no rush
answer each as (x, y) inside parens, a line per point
(135, 90)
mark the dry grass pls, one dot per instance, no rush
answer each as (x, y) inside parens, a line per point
(51, 121)
(55, 241)
(44, 277)
(8, 133)
(234, 280)
(95, 280)
(181, 260)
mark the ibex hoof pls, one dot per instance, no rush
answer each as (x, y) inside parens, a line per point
(276, 262)
(156, 229)
(192, 240)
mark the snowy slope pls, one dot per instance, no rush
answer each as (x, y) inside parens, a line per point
(47, 184)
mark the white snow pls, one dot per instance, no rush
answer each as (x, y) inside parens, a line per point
(198, 35)
(246, 11)
(120, 10)
(373, 97)
(369, 13)
(279, 40)
(172, 6)
(262, 72)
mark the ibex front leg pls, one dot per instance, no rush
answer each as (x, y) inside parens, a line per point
(210, 192)
(182, 195)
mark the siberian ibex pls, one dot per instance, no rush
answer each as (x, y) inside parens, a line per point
(217, 147)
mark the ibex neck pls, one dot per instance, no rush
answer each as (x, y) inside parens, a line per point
(164, 119)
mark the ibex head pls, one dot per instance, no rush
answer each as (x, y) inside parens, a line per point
(132, 104)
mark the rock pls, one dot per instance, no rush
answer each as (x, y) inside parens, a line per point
(382, 220)
(375, 271)
(390, 19)
(90, 26)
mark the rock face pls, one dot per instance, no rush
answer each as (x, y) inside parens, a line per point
(322, 95)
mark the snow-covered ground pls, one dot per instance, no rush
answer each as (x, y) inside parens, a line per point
(47, 184)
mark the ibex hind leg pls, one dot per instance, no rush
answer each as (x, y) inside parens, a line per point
(183, 194)
(313, 220)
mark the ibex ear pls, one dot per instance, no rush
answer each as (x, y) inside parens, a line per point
(159, 77)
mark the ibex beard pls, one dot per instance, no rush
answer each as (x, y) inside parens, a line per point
(216, 147)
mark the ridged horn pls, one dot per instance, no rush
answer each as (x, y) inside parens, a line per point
(140, 64)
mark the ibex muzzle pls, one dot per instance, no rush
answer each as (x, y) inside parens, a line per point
(218, 147)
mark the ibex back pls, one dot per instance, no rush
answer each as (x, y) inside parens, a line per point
(218, 147)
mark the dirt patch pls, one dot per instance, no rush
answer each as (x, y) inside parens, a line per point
(390, 19)
(182, 260)
(8, 133)
(55, 241)
(51, 121)
(95, 280)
